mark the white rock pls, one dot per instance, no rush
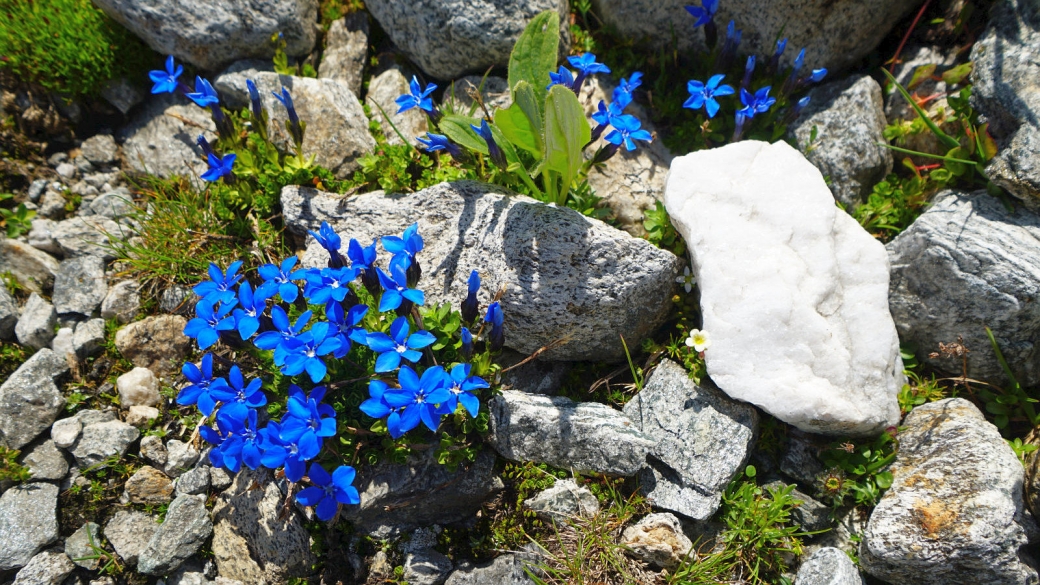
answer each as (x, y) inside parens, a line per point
(139, 386)
(794, 292)
(140, 415)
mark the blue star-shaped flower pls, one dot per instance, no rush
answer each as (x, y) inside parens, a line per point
(328, 238)
(250, 307)
(622, 94)
(496, 317)
(204, 94)
(564, 77)
(280, 279)
(281, 449)
(205, 328)
(219, 167)
(361, 257)
(286, 99)
(704, 13)
(241, 444)
(435, 142)
(398, 345)
(375, 406)
(329, 284)
(237, 396)
(395, 288)
(408, 244)
(418, 397)
(283, 333)
(704, 94)
(586, 64)
(603, 112)
(757, 103)
(201, 387)
(329, 491)
(494, 151)
(345, 326)
(626, 131)
(818, 75)
(220, 286)
(304, 352)
(461, 386)
(417, 97)
(166, 81)
(308, 416)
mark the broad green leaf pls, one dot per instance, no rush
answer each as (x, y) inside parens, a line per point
(458, 129)
(532, 104)
(957, 74)
(536, 52)
(566, 133)
(521, 122)
(921, 74)
(884, 479)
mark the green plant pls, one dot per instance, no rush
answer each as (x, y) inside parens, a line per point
(16, 221)
(660, 231)
(107, 563)
(758, 530)
(281, 60)
(857, 470)
(1010, 403)
(1021, 449)
(10, 469)
(12, 355)
(67, 46)
(918, 390)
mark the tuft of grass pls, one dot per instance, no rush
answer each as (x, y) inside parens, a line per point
(10, 469)
(68, 46)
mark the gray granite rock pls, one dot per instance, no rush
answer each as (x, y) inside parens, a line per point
(89, 338)
(8, 314)
(66, 170)
(584, 436)
(148, 485)
(122, 301)
(252, 541)
(46, 462)
(30, 399)
(461, 95)
(82, 236)
(955, 512)
(1005, 93)
(185, 530)
(849, 119)
(398, 498)
(31, 267)
(122, 94)
(180, 457)
(51, 206)
(564, 500)
(337, 128)
(129, 532)
(80, 286)
(346, 50)
(46, 568)
(35, 327)
(426, 567)
(448, 38)
(828, 566)
(383, 89)
(964, 265)
(113, 204)
(28, 522)
(193, 482)
(506, 569)
(99, 441)
(219, 478)
(65, 432)
(62, 344)
(835, 33)
(100, 149)
(157, 343)
(160, 139)
(566, 276)
(658, 539)
(141, 416)
(83, 544)
(36, 188)
(176, 300)
(153, 451)
(702, 440)
(212, 35)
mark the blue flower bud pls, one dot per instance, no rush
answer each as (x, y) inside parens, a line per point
(207, 150)
(749, 69)
(467, 344)
(496, 154)
(495, 316)
(254, 99)
(470, 310)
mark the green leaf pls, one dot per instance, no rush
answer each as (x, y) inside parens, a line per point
(458, 129)
(945, 138)
(921, 74)
(521, 123)
(884, 479)
(566, 133)
(536, 52)
(957, 74)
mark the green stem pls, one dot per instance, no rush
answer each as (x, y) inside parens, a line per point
(1016, 388)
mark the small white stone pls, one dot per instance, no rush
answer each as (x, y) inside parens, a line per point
(794, 292)
(65, 432)
(62, 344)
(139, 386)
(141, 415)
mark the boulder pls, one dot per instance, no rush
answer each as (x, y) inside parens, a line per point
(426, 567)
(337, 128)
(346, 50)
(157, 343)
(565, 500)
(828, 566)
(702, 441)
(102, 440)
(252, 541)
(1003, 91)
(955, 512)
(849, 120)
(383, 89)
(448, 38)
(583, 436)
(794, 293)
(566, 277)
(46, 568)
(28, 522)
(46, 462)
(35, 327)
(32, 268)
(148, 485)
(212, 35)
(835, 33)
(186, 529)
(965, 264)
(658, 539)
(30, 399)
(79, 286)
(129, 532)
(8, 314)
(160, 139)
(122, 301)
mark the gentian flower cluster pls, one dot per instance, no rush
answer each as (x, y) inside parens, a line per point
(307, 318)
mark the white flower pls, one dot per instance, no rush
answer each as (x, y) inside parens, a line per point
(698, 340)
(686, 279)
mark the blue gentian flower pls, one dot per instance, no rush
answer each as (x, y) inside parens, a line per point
(201, 387)
(329, 491)
(622, 94)
(466, 350)
(241, 443)
(205, 328)
(626, 130)
(749, 69)
(407, 244)
(294, 120)
(309, 420)
(757, 103)
(818, 75)
(254, 100)
(418, 397)
(470, 310)
(586, 65)
(704, 94)
(215, 437)
(774, 61)
(345, 326)
(284, 332)
(395, 289)
(237, 396)
(219, 167)
(280, 279)
(461, 386)
(329, 284)
(434, 142)
(802, 103)
(250, 307)
(564, 77)
(304, 352)
(282, 449)
(496, 318)
(729, 48)
(204, 94)
(375, 406)
(361, 257)
(799, 61)
(704, 13)
(220, 286)
(602, 116)
(398, 345)
(207, 150)
(328, 238)
(494, 151)
(166, 81)
(417, 97)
